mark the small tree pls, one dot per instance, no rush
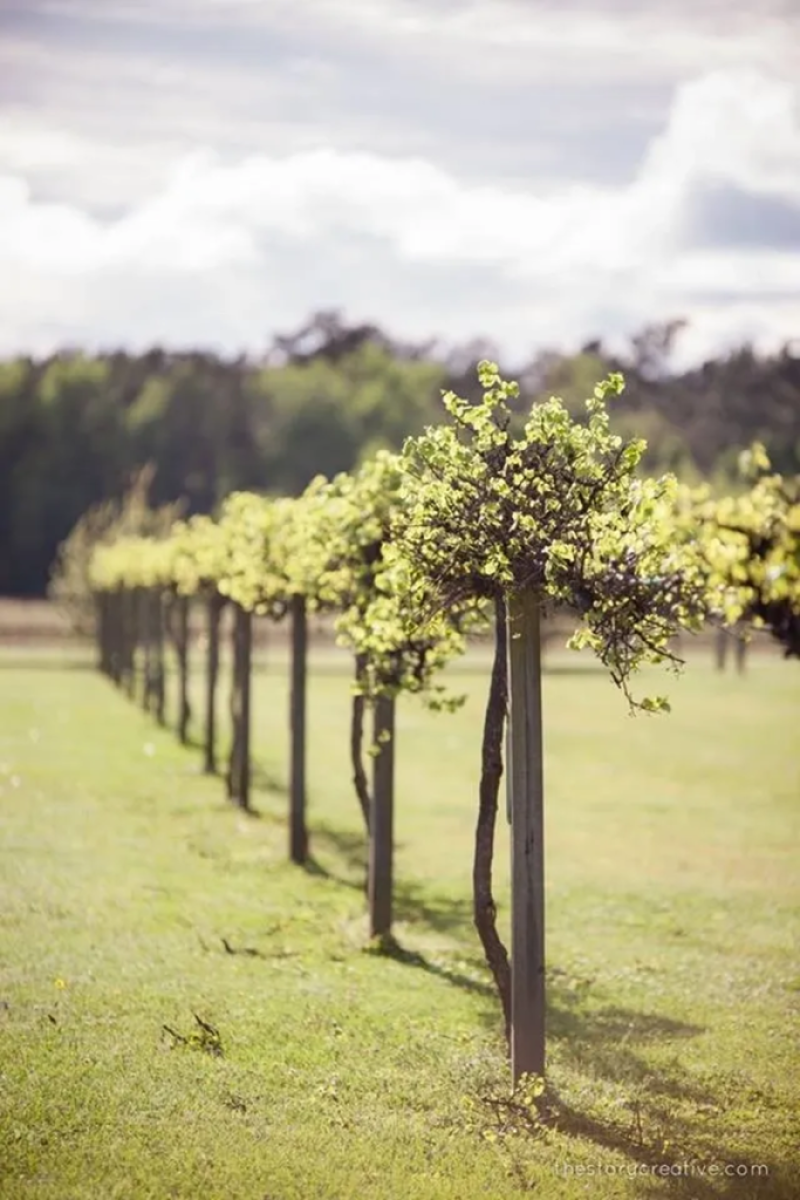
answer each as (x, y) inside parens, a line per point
(70, 587)
(554, 516)
(342, 537)
(751, 548)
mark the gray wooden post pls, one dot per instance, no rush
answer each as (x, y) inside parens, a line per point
(525, 783)
(146, 622)
(741, 651)
(381, 834)
(721, 647)
(214, 612)
(298, 833)
(182, 651)
(117, 639)
(112, 619)
(159, 669)
(129, 606)
(101, 632)
(239, 771)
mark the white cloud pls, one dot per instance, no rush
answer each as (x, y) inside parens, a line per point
(222, 249)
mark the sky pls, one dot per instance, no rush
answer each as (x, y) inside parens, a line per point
(541, 173)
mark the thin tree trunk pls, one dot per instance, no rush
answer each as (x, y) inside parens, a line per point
(484, 909)
(214, 612)
(357, 746)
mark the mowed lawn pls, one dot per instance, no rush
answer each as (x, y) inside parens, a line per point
(673, 919)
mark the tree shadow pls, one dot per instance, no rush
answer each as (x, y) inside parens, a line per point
(265, 780)
(657, 1117)
(440, 911)
(660, 1116)
(347, 848)
(312, 866)
(389, 947)
(413, 901)
(654, 1113)
(687, 1171)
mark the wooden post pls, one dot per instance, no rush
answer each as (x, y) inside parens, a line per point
(239, 769)
(129, 640)
(142, 642)
(113, 636)
(721, 647)
(526, 807)
(214, 612)
(159, 682)
(150, 650)
(101, 632)
(381, 835)
(182, 651)
(146, 633)
(741, 652)
(298, 833)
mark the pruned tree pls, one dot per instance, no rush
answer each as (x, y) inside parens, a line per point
(553, 515)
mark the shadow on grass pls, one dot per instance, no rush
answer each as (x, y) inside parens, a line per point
(312, 866)
(347, 848)
(658, 1115)
(265, 780)
(412, 901)
(440, 911)
(389, 947)
(686, 1169)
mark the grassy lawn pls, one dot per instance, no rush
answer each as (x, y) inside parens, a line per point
(673, 968)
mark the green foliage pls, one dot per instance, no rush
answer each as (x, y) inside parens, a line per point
(74, 576)
(751, 548)
(558, 508)
(327, 546)
(407, 549)
(74, 428)
(348, 522)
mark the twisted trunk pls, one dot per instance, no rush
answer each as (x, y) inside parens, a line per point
(357, 746)
(484, 909)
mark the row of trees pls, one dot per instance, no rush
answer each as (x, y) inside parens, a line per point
(481, 519)
(74, 428)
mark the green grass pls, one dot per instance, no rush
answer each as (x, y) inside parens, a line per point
(672, 923)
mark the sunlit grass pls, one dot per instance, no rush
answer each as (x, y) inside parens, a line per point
(672, 922)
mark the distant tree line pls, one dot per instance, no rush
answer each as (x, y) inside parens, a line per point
(75, 429)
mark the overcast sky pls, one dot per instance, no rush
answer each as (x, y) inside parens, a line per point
(540, 172)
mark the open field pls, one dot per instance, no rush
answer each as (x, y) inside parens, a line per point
(673, 921)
